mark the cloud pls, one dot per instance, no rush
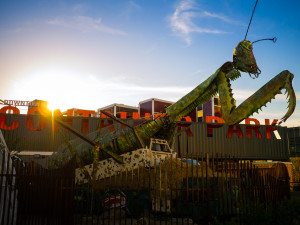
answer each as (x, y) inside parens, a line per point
(278, 114)
(291, 123)
(241, 94)
(182, 24)
(220, 17)
(85, 24)
(119, 83)
(89, 91)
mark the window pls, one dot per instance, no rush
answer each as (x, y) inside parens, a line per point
(200, 113)
(216, 101)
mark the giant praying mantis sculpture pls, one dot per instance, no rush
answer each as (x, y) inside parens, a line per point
(219, 82)
(164, 126)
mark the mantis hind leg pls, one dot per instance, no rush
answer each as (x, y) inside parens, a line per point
(233, 115)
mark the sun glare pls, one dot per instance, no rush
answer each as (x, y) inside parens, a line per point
(52, 106)
(58, 86)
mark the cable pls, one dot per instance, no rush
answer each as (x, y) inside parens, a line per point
(251, 19)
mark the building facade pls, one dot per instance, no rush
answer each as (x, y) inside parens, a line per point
(210, 108)
(119, 110)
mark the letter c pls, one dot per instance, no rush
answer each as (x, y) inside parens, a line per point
(14, 124)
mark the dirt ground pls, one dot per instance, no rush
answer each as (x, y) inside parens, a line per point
(295, 195)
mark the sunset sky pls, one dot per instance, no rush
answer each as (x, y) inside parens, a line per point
(89, 54)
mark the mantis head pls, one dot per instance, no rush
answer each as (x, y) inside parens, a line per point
(243, 59)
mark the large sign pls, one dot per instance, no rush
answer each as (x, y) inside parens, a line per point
(213, 122)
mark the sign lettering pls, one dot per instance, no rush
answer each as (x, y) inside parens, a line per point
(236, 129)
(218, 122)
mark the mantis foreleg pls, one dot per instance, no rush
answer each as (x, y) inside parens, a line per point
(265, 94)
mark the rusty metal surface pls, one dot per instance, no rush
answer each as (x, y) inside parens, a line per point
(244, 148)
(22, 139)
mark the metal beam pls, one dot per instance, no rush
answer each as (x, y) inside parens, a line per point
(72, 130)
(142, 145)
(116, 157)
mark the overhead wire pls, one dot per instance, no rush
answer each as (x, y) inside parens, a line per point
(251, 19)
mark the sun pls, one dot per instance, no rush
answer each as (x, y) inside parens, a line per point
(56, 85)
(52, 106)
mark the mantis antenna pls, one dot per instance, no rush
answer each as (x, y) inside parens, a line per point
(274, 39)
(251, 19)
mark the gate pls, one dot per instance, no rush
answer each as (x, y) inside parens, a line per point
(31, 194)
(176, 191)
(45, 196)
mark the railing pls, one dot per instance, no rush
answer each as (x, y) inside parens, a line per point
(175, 191)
